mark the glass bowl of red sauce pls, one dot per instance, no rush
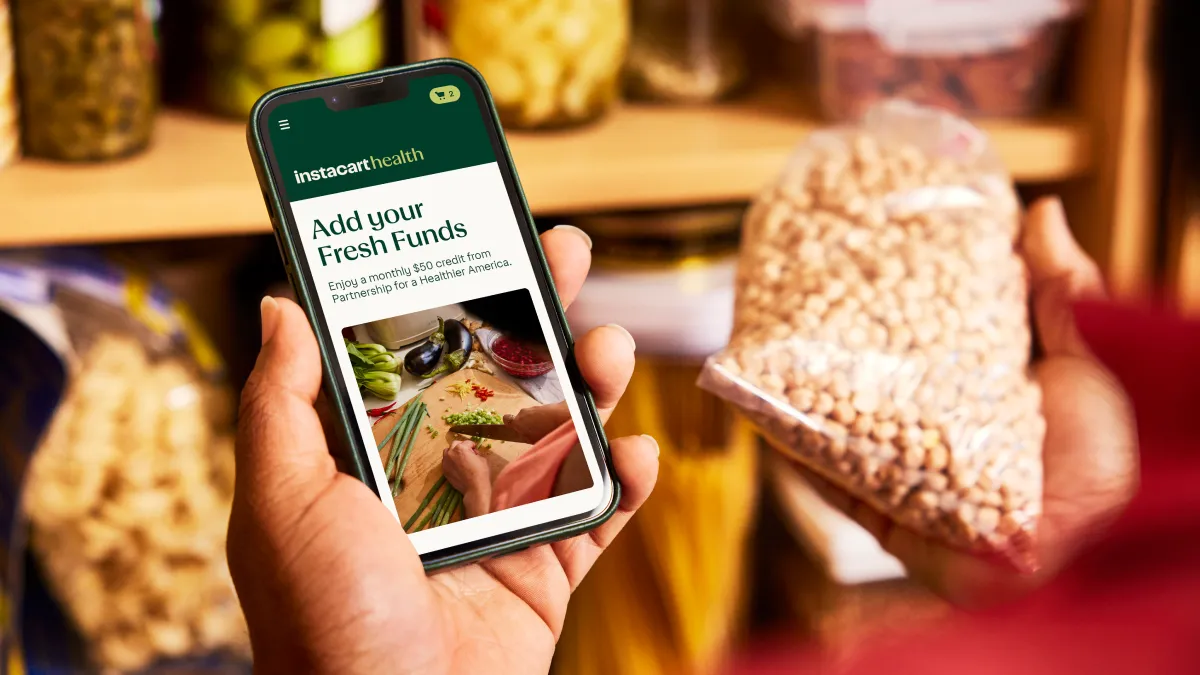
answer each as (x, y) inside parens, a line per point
(520, 358)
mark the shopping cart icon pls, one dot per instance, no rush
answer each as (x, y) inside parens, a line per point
(446, 94)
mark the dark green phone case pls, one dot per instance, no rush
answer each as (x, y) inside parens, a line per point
(356, 464)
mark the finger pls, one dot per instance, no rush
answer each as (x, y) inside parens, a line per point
(961, 578)
(280, 437)
(1090, 458)
(568, 252)
(636, 461)
(605, 358)
(1060, 274)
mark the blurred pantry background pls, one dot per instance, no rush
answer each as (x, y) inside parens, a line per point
(126, 186)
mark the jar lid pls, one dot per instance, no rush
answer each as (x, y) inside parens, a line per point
(928, 26)
(690, 222)
(674, 239)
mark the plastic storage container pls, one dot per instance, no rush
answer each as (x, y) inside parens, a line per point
(88, 77)
(553, 63)
(10, 133)
(683, 51)
(253, 46)
(973, 57)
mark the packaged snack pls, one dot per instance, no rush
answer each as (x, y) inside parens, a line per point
(881, 333)
(972, 57)
(126, 494)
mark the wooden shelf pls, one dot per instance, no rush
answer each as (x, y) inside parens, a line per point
(197, 180)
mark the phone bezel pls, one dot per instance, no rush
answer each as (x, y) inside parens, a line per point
(286, 231)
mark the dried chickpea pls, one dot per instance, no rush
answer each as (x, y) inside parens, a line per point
(889, 276)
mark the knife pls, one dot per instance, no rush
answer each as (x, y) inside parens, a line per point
(495, 432)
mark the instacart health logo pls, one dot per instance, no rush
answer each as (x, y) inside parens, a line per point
(370, 163)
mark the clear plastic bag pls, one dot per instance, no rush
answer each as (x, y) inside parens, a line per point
(128, 491)
(881, 332)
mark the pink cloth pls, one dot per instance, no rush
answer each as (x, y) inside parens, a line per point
(530, 477)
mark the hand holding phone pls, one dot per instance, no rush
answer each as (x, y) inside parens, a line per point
(327, 578)
(405, 234)
(425, 301)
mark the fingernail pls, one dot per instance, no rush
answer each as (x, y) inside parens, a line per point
(632, 342)
(269, 312)
(657, 450)
(577, 232)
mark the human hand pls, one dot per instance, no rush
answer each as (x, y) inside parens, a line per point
(533, 423)
(467, 471)
(1090, 455)
(329, 581)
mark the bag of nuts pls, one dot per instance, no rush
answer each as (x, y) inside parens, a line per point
(881, 333)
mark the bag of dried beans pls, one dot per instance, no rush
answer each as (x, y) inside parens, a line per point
(881, 332)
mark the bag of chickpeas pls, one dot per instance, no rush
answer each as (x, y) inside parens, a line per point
(881, 332)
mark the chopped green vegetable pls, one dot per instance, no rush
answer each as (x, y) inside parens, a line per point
(476, 416)
(433, 433)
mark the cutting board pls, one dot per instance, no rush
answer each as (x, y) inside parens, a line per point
(425, 464)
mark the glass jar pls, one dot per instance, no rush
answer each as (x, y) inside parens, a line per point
(683, 51)
(551, 63)
(253, 46)
(666, 276)
(10, 133)
(88, 76)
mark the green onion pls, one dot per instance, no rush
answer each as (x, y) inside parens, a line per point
(438, 508)
(411, 415)
(425, 502)
(476, 416)
(410, 441)
(455, 501)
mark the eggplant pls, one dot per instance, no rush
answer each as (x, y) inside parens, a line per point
(423, 358)
(453, 361)
(457, 343)
(457, 337)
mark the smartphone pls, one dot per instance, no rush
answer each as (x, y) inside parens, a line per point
(447, 357)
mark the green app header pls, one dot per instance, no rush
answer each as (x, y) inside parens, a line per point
(437, 127)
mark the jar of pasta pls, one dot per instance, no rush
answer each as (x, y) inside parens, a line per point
(253, 46)
(89, 81)
(552, 63)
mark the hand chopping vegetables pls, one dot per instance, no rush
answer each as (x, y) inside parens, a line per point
(456, 395)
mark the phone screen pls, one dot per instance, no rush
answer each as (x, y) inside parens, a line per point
(447, 343)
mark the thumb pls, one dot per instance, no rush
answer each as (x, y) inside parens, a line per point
(1060, 274)
(280, 442)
